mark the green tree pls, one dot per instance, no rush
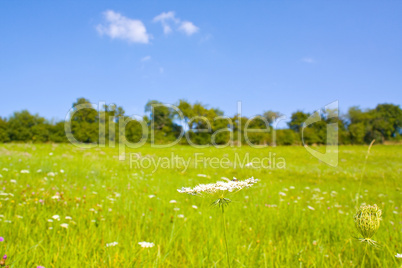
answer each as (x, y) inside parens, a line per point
(387, 120)
(85, 121)
(271, 116)
(4, 137)
(57, 133)
(23, 126)
(297, 119)
(285, 137)
(161, 121)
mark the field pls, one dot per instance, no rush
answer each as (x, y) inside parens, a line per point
(62, 206)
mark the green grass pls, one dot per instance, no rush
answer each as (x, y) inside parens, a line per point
(108, 201)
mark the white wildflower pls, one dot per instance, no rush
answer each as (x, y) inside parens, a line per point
(180, 216)
(151, 196)
(172, 201)
(56, 217)
(13, 181)
(194, 207)
(64, 225)
(24, 171)
(146, 244)
(398, 255)
(219, 187)
(309, 207)
(282, 194)
(68, 218)
(112, 244)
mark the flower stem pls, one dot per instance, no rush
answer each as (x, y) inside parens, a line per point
(224, 232)
(362, 174)
(364, 257)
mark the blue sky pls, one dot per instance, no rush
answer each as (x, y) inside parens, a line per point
(277, 55)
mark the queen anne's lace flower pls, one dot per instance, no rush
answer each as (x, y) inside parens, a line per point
(146, 244)
(219, 187)
(219, 190)
(112, 244)
(367, 221)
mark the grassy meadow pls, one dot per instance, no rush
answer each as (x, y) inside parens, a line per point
(62, 206)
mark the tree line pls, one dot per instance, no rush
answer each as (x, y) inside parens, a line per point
(202, 125)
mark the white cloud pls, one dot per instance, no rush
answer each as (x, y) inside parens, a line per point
(146, 58)
(120, 27)
(169, 18)
(188, 28)
(164, 18)
(308, 60)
